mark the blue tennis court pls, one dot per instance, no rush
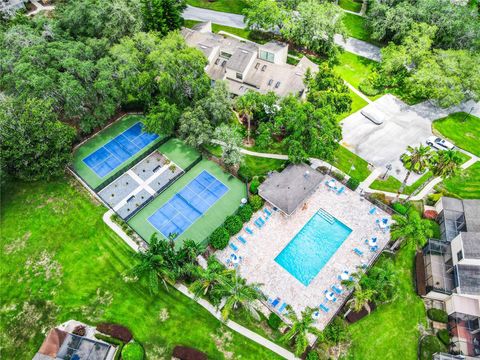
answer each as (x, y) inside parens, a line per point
(118, 150)
(186, 206)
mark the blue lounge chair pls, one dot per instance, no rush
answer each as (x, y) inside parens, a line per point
(374, 248)
(242, 240)
(373, 210)
(282, 308)
(258, 223)
(341, 190)
(261, 220)
(337, 290)
(275, 302)
(267, 212)
(249, 231)
(324, 308)
(233, 247)
(358, 252)
(385, 220)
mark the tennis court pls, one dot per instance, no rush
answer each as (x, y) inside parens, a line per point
(118, 150)
(186, 206)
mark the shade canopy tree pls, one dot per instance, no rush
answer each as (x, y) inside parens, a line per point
(162, 16)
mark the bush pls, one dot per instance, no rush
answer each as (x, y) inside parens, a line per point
(312, 355)
(400, 208)
(429, 346)
(116, 331)
(430, 214)
(219, 238)
(245, 212)
(336, 331)
(245, 173)
(437, 315)
(368, 89)
(79, 330)
(433, 198)
(254, 186)
(444, 336)
(233, 224)
(353, 183)
(133, 351)
(379, 197)
(256, 202)
(339, 176)
(274, 321)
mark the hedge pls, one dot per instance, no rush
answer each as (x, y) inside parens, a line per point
(274, 321)
(219, 238)
(133, 351)
(352, 183)
(256, 202)
(312, 355)
(233, 224)
(444, 336)
(116, 331)
(400, 208)
(254, 186)
(245, 212)
(437, 315)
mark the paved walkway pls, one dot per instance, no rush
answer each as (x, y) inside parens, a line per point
(358, 92)
(40, 7)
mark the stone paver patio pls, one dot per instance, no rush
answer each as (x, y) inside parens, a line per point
(258, 255)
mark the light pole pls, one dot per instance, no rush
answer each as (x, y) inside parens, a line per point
(389, 167)
(465, 118)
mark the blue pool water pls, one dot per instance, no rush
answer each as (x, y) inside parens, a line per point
(311, 248)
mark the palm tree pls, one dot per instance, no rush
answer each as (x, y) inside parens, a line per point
(189, 251)
(300, 328)
(208, 278)
(383, 279)
(237, 293)
(447, 163)
(153, 266)
(361, 299)
(245, 105)
(418, 160)
(412, 229)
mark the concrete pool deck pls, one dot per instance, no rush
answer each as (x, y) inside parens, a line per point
(258, 255)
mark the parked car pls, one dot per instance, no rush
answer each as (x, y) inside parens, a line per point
(374, 115)
(439, 143)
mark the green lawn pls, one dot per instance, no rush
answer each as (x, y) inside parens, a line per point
(231, 6)
(344, 159)
(350, 5)
(391, 331)
(60, 262)
(392, 184)
(462, 129)
(466, 185)
(355, 26)
(254, 165)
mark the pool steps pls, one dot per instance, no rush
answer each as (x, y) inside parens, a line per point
(326, 215)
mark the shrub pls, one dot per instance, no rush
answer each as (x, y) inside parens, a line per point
(245, 173)
(233, 224)
(444, 336)
(312, 355)
(437, 315)
(353, 183)
(274, 321)
(430, 214)
(400, 208)
(79, 330)
(339, 176)
(133, 351)
(219, 238)
(429, 346)
(254, 186)
(433, 198)
(379, 197)
(336, 331)
(322, 169)
(245, 212)
(256, 202)
(368, 89)
(116, 331)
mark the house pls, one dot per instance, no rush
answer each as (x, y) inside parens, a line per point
(288, 189)
(246, 65)
(61, 344)
(448, 271)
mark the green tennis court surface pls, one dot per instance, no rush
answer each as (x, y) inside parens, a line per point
(213, 217)
(93, 176)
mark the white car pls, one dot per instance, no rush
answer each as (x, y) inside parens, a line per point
(439, 143)
(374, 115)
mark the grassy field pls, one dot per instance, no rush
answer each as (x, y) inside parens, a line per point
(355, 26)
(98, 141)
(466, 185)
(344, 159)
(392, 184)
(350, 5)
(462, 129)
(209, 221)
(392, 329)
(60, 262)
(260, 166)
(231, 6)
(179, 153)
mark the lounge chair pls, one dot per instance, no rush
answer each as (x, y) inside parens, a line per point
(373, 210)
(341, 190)
(324, 308)
(358, 252)
(258, 223)
(267, 212)
(337, 290)
(249, 231)
(233, 246)
(282, 308)
(374, 248)
(261, 220)
(275, 302)
(242, 240)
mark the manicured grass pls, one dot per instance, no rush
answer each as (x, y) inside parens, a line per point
(254, 165)
(60, 262)
(466, 185)
(392, 184)
(209, 221)
(350, 5)
(462, 129)
(231, 6)
(355, 25)
(391, 329)
(98, 141)
(344, 159)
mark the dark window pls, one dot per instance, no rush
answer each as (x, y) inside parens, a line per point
(459, 255)
(225, 55)
(270, 82)
(217, 61)
(239, 76)
(257, 65)
(277, 84)
(264, 67)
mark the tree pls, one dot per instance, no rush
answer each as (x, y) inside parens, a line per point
(300, 328)
(34, 145)
(162, 118)
(263, 15)
(217, 104)
(361, 299)
(230, 141)
(245, 106)
(411, 230)
(447, 163)
(211, 277)
(163, 16)
(195, 129)
(314, 25)
(418, 160)
(237, 293)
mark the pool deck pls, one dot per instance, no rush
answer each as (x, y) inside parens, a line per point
(258, 255)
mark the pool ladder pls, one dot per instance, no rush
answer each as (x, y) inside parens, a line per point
(326, 215)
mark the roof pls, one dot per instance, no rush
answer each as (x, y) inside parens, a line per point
(240, 59)
(463, 304)
(289, 188)
(471, 245)
(472, 215)
(467, 279)
(52, 343)
(273, 46)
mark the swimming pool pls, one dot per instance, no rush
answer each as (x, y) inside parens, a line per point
(311, 248)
